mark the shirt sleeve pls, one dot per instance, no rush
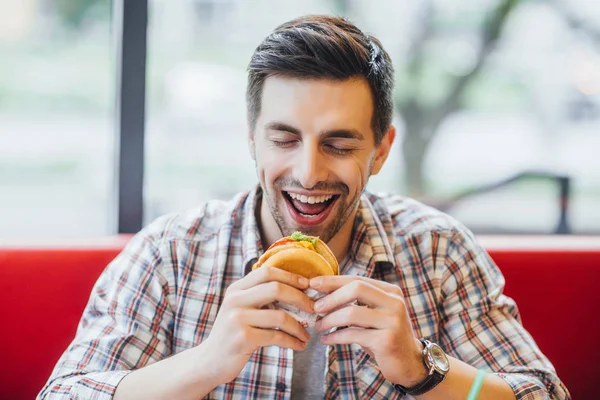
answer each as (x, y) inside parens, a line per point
(124, 326)
(482, 327)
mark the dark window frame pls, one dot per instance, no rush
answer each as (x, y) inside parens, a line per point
(130, 22)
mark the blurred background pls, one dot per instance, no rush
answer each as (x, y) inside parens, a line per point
(497, 108)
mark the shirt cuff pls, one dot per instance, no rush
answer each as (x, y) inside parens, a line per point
(97, 385)
(529, 387)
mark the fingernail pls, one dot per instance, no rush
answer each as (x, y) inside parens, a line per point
(303, 281)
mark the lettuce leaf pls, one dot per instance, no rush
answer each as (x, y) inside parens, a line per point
(300, 237)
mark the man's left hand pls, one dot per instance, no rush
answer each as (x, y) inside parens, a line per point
(380, 324)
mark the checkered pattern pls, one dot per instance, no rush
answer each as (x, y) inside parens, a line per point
(161, 295)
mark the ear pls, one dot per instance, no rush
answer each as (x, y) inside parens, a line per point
(251, 144)
(251, 147)
(383, 150)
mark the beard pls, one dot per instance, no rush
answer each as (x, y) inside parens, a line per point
(344, 207)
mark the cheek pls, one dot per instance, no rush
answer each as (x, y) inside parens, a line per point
(270, 166)
(354, 174)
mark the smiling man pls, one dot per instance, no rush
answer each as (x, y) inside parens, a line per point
(315, 148)
(417, 310)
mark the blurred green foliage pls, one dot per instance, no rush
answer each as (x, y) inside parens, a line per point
(73, 13)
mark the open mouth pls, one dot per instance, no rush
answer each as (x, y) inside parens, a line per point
(309, 210)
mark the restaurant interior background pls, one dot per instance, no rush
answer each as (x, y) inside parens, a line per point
(498, 108)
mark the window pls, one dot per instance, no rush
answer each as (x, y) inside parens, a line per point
(56, 118)
(468, 118)
(496, 107)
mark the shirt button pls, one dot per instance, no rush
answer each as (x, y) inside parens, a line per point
(280, 386)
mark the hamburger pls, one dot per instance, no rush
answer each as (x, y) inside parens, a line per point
(304, 255)
(300, 254)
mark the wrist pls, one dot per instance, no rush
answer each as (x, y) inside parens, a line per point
(411, 369)
(418, 372)
(176, 377)
(202, 368)
(437, 365)
(207, 364)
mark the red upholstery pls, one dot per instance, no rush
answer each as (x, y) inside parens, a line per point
(44, 291)
(558, 298)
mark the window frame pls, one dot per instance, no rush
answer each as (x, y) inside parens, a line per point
(130, 22)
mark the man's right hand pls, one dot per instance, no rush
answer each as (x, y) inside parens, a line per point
(243, 325)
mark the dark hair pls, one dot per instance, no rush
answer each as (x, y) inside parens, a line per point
(324, 47)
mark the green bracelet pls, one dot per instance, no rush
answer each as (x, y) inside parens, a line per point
(476, 387)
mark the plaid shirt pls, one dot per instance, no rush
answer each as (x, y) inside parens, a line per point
(161, 295)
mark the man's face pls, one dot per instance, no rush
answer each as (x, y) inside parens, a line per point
(314, 150)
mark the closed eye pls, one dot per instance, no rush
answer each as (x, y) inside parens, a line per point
(338, 150)
(283, 143)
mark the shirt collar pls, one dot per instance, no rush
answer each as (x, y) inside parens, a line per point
(252, 245)
(371, 238)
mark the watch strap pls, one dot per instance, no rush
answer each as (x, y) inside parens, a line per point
(425, 386)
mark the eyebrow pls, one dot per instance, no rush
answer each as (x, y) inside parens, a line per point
(335, 133)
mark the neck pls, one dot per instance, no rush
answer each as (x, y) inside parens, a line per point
(341, 242)
(270, 233)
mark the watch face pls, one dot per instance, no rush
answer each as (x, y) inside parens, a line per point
(439, 359)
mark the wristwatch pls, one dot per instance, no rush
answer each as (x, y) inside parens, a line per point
(436, 362)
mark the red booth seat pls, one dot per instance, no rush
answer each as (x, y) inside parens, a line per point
(45, 286)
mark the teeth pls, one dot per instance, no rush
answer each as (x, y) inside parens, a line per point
(310, 199)
(308, 215)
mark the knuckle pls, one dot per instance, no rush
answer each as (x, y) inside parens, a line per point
(281, 318)
(269, 272)
(263, 272)
(357, 287)
(236, 316)
(396, 290)
(245, 336)
(231, 289)
(231, 298)
(399, 306)
(276, 288)
(351, 312)
(227, 300)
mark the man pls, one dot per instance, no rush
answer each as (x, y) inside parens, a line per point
(180, 315)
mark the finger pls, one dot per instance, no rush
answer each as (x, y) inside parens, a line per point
(328, 284)
(353, 316)
(360, 290)
(272, 337)
(367, 349)
(269, 274)
(267, 293)
(358, 336)
(276, 319)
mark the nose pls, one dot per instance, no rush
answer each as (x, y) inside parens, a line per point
(311, 166)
